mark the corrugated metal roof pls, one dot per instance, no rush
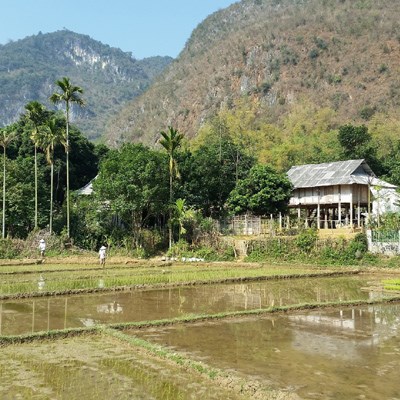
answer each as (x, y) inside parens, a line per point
(87, 189)
(335, 173)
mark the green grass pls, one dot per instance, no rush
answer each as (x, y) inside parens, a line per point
(391, 284)
(69, 278)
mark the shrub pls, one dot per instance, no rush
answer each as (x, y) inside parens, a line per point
(306, 240)
(320, 43)
(314, 53)
(179, 249)
(334, 79)
(382, 68)
(367, 112)
(289, 56)
(10, 248)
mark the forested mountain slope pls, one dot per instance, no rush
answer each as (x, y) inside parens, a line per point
(108, 76)
(342, 56)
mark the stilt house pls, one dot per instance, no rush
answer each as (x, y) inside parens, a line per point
(337, 194)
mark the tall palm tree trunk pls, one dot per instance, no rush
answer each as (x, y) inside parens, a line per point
(4, 193)
(51, 197)
(67, 166)
(36, 189)
(170, 210)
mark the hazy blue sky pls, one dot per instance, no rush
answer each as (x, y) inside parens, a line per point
(144, 27)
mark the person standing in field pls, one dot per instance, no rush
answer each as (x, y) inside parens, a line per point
(102, 256)
(42, 247)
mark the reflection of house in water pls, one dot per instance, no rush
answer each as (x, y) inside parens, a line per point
(88, 322)
(107, 308)
(110, 308)
(245, 297)
(344, 333)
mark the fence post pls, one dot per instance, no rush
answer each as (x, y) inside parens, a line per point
(398, 242)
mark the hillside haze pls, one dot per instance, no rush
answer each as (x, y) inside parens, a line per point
(338, 54)
(109, 77)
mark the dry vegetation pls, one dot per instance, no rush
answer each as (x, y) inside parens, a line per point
(339, 55)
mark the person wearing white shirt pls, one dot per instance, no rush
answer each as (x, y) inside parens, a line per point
(102, 256)
(42, 247)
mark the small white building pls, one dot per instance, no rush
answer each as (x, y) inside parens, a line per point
(341, 193)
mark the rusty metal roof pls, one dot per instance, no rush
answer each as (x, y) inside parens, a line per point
(334, 173)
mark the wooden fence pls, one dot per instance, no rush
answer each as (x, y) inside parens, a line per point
(247, 225)
(253, 225)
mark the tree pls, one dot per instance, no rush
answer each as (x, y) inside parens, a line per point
(132, 187)
(356, 144)
(20, 200)
(69, 95)
(209, 175)
(263, 191)
(6, 136)
(354, 140)
(171, 141)
(52, 135)
(36, 114)
(182, 214)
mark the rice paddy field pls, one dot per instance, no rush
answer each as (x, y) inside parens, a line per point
(137, 329)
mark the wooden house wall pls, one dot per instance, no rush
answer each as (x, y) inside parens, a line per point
(330, 195)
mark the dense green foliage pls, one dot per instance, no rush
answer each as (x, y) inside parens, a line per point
(262, 192)
(135, 186)
(132, 206)
(20, 173)
(210, 172)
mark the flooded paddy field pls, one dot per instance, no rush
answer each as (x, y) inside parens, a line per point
(97, 368)
(55, 279)
(348, 353)
(281, 355)
(60, 312)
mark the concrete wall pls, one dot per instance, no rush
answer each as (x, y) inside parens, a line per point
(388, 246)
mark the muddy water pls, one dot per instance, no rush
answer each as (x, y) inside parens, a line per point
(41, 314)
(96, 368)
(353, 353)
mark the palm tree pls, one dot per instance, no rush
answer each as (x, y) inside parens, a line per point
(182, 215)
(52, 135)
(171, 141)
(69, 95)
(36, 115)
(6, 136)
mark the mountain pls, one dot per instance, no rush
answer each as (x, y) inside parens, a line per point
(338, 54)
(109, 77)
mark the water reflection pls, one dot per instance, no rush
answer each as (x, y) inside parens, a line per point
(110, 308)
(353, 353)
(25, 316)
(41, 283)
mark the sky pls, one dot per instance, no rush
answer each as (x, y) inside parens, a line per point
(144, 27)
